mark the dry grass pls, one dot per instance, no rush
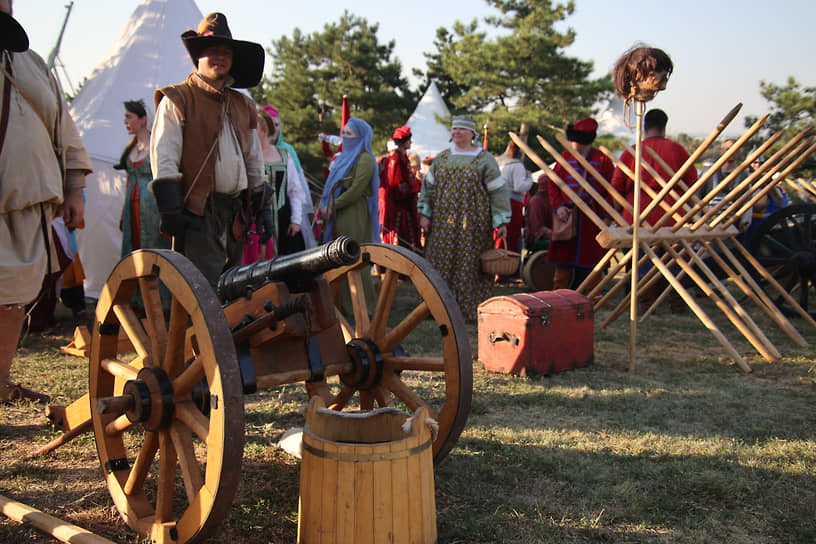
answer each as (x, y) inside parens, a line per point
(686, 448)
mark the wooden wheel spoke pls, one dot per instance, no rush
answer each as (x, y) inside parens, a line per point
(167, 478)
(134, 330)
(345, 326)
(342, 398)
(182, 439)
(149, 287)
(191, 376)
(190, 415)
(427, 364)
(773, 261)
(118, 426)
(406, 394)
(362, 321)
(117, 368)
(405, 327)
(383, 396)
(367, 400)
(141, 466)
(176, 335)
(385, 301)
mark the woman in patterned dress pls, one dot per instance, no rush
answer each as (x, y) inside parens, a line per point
(140, 216)
(463, 199)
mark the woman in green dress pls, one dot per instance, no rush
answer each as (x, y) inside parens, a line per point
(463, 198)
(140, 216)
(350, 196)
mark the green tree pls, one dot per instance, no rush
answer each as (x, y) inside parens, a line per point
(311, 73)
(792, 109)
(522, 75)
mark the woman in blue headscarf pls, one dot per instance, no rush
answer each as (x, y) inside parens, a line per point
(349, 200)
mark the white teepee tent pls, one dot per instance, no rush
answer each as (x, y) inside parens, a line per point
(429, 134)
(146, 55)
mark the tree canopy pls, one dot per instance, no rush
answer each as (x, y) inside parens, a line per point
(311, 73)
(522, 75)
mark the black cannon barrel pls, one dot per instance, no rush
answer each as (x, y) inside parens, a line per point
(298, 270)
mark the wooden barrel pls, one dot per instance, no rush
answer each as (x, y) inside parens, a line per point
(364, 479)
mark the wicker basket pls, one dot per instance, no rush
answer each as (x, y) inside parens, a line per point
(500, 261)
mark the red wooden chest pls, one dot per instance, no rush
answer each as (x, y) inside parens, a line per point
(536, 333)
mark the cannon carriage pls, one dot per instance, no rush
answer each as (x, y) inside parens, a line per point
(168, 412)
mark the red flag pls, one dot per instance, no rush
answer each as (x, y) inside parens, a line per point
(344, 117)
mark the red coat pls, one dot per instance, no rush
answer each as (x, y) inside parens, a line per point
(398, 200)
(674, 155)
(582, 250)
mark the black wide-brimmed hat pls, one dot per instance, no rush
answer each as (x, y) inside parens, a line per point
(247, 57)
(13, 36)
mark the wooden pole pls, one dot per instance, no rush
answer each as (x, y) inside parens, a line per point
(585, 208)
(639, 109)
(691, 160)
(586, 185)
(726, 303)
(701, 315)
(61, 530)
(709, 173)
(66, 437)
(765, 190)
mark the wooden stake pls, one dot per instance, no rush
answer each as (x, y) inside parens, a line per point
(61, 530)
(639, 110)
(701, 315)
(708, 173)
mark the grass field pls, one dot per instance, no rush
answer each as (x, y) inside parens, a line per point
(686, 448)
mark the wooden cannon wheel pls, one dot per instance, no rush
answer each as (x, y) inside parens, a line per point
(442, 381)
(169, 419)
(785, 245)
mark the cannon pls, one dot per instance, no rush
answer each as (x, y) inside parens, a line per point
(168, 412)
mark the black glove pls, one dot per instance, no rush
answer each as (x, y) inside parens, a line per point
(260, 200)
(169, 195)
(261, 197)
(265, 224)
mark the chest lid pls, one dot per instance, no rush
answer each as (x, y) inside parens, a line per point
(535, 305)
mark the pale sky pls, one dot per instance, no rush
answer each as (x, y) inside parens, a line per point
(721, 49)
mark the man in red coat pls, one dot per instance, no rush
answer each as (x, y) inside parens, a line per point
(674, 155)
(399, 188)
(574, 259)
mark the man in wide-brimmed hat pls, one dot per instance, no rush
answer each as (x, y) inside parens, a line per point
(43, 165)
(205, 155)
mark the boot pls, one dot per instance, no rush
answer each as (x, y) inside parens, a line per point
(11, 323)
(11, 392)
(562, 277)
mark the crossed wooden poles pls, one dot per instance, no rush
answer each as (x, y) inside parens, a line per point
(700, 229)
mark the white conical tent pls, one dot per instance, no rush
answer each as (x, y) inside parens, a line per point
(429, 134)
(146, 55)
